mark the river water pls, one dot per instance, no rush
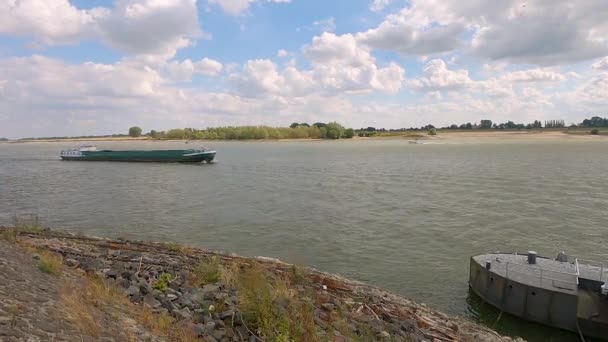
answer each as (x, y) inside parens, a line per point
(401, 216)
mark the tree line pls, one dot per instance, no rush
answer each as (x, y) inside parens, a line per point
(593, 122)
(318, 130)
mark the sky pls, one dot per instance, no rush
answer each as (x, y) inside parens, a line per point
(88, 67)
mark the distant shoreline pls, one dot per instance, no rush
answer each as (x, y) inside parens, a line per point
(413, 135)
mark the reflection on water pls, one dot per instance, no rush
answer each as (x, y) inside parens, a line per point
(405, 217)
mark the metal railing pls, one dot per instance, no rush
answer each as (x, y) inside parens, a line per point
(541, 277)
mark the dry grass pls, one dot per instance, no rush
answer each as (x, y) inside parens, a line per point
(27, 222)
(273, 307)
(50, 263)
(164, 325)
(80, 312)
(87, 300)
(9, 234)
(229, 273)
(206, 272)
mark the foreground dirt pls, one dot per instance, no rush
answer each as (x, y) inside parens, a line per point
(35, 306)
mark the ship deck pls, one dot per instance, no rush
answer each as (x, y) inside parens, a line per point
(547, 273)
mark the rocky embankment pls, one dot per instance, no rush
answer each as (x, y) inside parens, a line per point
(172, 292)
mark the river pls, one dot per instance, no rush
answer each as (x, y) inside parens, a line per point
(401, 216)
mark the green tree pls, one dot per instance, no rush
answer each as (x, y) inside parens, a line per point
(334, 130)
(176, 134)
(322, 132)
(486, 124)
(349, 133)
(432, 131)
(294, 125)
(134, 132)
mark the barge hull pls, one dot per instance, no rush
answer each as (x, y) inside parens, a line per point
(569, 309)
(168, 156)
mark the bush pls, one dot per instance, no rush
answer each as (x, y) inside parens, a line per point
(162, 283)
(349, 133)
(432, 131)
(595, 131)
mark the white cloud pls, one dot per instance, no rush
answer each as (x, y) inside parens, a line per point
(545, 32)
(403, 33)
(541, 32)
(329, 48)
(282, 53)
(186, 69)
(147, 27)
(601, 64)
(48, 21)
(155, 27)
(237, 7)
(325, 25)
(338, 65)
(438, 77)
(533, 75)
(208, 67)
(379, 5)
(494, 67)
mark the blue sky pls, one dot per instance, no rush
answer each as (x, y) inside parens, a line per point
(96, 67)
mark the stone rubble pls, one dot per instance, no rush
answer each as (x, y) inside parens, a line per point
(213, 309)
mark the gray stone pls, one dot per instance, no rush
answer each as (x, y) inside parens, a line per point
(210, 339)
(36, 256)
(175, 285)
(169, 305)
(200, 330)
(126, 275)
(219, 333)
(201, 297)
(227, 314)
(132, 290)
(91, 265)
(211, 288)
(158, 294)
(145, 288)
(71, 262)
(171, 296)
(150, 301)
(210, 326)
(220, 324)
(112, 274)
(125, 283)
(136, 298)
(183, 314)
(328, 306)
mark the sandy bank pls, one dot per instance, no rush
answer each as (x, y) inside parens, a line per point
(445, 135)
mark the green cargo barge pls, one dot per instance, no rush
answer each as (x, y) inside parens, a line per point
(91, 153)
